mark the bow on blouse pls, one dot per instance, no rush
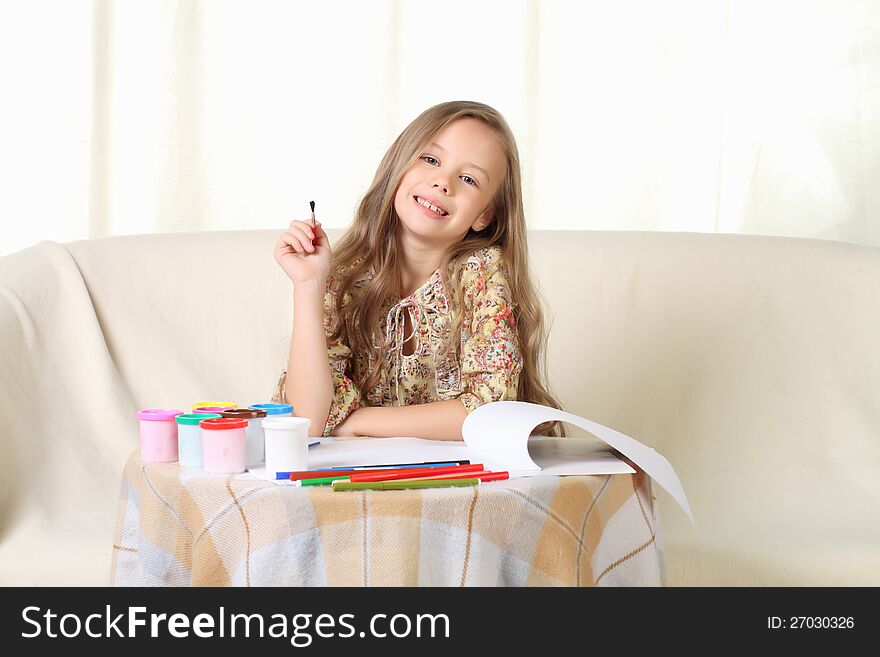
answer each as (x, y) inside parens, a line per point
(395, 327)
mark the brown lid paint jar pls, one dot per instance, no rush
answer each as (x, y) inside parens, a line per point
(254, 439)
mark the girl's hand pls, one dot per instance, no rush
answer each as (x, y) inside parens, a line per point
(304, 254)
(347, 428)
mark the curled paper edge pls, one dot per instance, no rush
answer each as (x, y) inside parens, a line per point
(505, 426)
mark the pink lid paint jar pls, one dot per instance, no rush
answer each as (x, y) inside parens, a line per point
(214, 410)
(158, 434)
(223, 445)
(212, 406)
(254, 450)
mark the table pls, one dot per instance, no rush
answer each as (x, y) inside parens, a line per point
(182, 527)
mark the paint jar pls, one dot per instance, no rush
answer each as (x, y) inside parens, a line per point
(275, 410)
(287, 444)
(223, 445)
(189, 438)
(253, 453)
(158, 434)
(212, 406)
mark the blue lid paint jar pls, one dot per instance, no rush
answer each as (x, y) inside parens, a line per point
(274, 410)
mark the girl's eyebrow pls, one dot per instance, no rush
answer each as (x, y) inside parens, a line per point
(470, 164)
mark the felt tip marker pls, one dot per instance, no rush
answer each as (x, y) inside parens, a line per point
(424, 464)
(485, 476)
(320, 481)
(403, 485)
(416, 472)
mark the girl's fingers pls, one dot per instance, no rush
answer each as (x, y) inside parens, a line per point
(303, 228)
(291, 242)
(302, 238)
(298, 243)
(305, 240)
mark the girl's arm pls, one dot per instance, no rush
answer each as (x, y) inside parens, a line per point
(303, 252)
(309, 384)
(441, 420)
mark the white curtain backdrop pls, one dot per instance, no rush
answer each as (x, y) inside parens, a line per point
(732, 116)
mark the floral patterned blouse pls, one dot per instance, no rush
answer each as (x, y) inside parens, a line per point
(490, 362)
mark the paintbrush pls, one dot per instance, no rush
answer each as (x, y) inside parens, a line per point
(312, 205)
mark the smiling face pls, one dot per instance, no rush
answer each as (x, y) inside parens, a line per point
(457, 173)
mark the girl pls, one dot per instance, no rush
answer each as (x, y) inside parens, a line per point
(425, 309)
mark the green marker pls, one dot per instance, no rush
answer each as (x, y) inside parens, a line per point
(402, 485)
(322, 481)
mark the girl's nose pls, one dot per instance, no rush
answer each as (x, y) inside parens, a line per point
(444, 186)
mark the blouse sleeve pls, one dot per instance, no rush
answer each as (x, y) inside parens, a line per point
(346, 396)
(491, 360)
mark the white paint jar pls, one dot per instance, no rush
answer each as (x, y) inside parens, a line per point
(287, 444)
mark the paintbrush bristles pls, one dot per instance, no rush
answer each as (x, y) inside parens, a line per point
(312, 205)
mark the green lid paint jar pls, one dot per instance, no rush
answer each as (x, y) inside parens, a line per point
(189, 438)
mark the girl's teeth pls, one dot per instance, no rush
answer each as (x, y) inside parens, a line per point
(434, 208)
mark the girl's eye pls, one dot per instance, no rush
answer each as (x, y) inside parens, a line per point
(433, 161)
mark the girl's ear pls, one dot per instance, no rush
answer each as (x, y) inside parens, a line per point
(485, 219)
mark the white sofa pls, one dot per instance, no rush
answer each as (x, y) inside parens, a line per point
(751, 363)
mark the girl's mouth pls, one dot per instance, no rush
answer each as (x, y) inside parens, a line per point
(425, 206)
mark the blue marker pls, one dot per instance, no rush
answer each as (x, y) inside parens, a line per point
(397, 466)
(433, 464)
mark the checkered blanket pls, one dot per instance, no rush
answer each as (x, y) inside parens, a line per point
(179, 527)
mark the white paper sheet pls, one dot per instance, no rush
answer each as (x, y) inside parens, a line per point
(502, 429)
(385, 451)
(564, 456)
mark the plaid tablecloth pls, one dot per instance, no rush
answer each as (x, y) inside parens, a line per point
(180, 527)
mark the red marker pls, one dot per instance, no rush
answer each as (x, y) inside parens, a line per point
(486, 475)
(414, 473)
(320, 474)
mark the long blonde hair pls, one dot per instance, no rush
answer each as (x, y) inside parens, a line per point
(372, 241)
